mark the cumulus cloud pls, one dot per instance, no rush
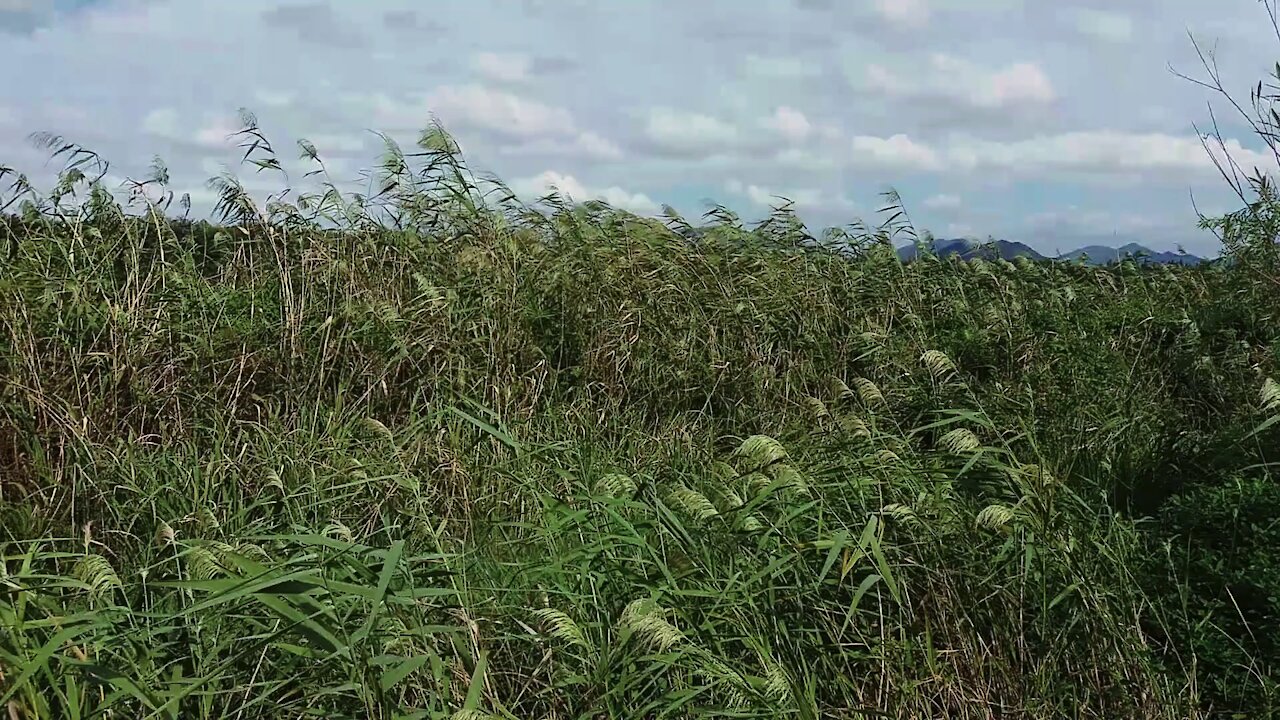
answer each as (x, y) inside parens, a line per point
(789, 123)
(1099, 153)
(897, 151)
(950, 78)
(1042, 109)
(814, 204)
(800, 198)
(1105, 152)
(550, 180)
(764, 197)
(217, 133)
(161, 122)
(513, 124)
(595, 146)
(586, 145)
(903, 13)
(501, 112)
(1019, 83)
(690, 133)
(527, 127)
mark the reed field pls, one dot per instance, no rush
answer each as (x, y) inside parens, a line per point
(431, 452)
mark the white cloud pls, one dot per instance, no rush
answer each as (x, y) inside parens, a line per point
(1105, 154)
(764, 197)
(790, 123)
(690, 133)
(801, 198)
(904, 13)
(1104, 25)
(942, 201)
(638, 203)
(1099, 152)
(584, 145)
(217, 133)
(592, 145)
(161, 122)
(978, 118)
(522, 126)
(502, 67)
(499, 112)
(1019, 83)
(549, 180)
(952, 78)
(898, 151)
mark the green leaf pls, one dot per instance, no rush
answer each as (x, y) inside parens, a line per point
(397, 674)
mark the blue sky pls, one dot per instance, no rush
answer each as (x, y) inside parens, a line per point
(1058, 124)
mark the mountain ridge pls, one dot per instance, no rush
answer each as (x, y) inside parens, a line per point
(967, 249)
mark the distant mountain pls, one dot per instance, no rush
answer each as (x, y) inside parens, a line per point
(1093, 254)
(1103, 255)
(969, 249)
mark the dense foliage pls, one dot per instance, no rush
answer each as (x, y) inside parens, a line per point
(437, 454)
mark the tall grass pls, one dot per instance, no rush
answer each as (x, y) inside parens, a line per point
(435, 453)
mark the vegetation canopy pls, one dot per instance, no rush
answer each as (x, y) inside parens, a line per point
(430, 452)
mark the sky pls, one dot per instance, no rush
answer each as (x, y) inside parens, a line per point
(1058, 124)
